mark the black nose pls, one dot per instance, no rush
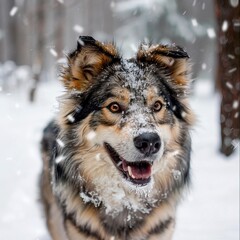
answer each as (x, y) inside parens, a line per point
(147, 143)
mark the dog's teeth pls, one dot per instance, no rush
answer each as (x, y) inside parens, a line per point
(120, 163)
(130, 172)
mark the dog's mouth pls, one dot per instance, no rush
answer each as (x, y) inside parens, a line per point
(137, 172)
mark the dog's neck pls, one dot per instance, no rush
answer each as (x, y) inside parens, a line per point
(120, 217)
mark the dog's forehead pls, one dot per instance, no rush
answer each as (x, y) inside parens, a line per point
(134, 76)
(136, 79)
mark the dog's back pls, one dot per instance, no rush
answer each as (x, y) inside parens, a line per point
(52, 211)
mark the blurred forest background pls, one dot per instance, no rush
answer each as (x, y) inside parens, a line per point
(36, 34)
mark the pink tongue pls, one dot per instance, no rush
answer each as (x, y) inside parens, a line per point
(137, 171)
(140, 172)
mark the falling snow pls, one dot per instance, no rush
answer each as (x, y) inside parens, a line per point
(231, 56)
(98, 156)
(235, 104)
(60, 142)
(53, 52)
(229, 85)
(78, 29)
(13, 11)
(59, 159)
(81, 42)
(211, 33)
(232, 70)
(204, 66)
(91, 135)
(194, 22)
(70, 118)
(234, 3)
(225, 26)
(61, 61)
(183, 114)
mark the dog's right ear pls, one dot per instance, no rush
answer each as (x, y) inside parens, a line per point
(86, 62)
(173, 58)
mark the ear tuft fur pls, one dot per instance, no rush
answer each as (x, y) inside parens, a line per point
(173, 58)
(86, 62)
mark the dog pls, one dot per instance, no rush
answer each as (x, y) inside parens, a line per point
(116, 159)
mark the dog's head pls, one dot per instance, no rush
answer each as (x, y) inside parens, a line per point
(126, 121)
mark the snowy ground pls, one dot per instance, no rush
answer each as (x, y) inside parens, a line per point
(209, 212)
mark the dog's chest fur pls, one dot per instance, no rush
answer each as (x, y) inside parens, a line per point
(86, 219)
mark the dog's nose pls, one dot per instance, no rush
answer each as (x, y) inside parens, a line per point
(147, 143)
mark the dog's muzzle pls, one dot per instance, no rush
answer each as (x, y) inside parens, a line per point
(139, 171)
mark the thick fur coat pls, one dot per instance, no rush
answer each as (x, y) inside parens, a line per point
(116, 159)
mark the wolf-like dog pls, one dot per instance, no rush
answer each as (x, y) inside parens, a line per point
(116, 159)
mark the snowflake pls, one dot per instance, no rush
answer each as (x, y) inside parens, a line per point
(98, 156)
(53, 52)
(204, 66)
(78, 29)
(13, 11)
(229, 85)
(211, 33)
(194, 22)
(60, 142)
(235, 104)
(91, 135)
(70, 118)
(232, 70)
(225, 26)
(59, 159)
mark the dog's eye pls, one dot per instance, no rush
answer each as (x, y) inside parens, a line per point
(114, 107)
(157, 106)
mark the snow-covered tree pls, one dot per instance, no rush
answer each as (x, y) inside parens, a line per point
(189, 24)
(157, 20)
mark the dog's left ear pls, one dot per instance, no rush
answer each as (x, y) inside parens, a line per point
(169, 57)
(86, 62)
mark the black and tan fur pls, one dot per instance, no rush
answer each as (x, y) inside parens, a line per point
(84, 193)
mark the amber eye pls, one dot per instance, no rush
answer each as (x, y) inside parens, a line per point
(114, 107)
(157, 106)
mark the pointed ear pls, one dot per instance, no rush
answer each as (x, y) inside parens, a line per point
(86, 62)
(169, 57)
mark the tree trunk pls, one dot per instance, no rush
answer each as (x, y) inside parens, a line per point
(227, 77)
(38, 55)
